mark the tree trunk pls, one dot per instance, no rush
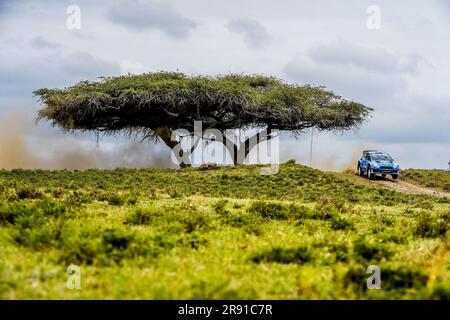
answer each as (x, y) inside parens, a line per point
(238, 152)
(165, 134)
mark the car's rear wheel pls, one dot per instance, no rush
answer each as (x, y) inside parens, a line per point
(395, 176)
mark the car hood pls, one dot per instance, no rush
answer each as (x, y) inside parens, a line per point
(384, 163)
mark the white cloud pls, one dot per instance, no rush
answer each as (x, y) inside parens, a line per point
(20, 78)
(373, 59)
(42, 43)
(254, 33)
(350, 81)
(142, 15)
(84, 65)
(133, 67)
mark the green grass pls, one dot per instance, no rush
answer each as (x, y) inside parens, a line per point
(227, 233)
(435, 179)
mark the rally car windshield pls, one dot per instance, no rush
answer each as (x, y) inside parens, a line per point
(380, 157)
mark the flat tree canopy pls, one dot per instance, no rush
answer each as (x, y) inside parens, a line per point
(155, 104)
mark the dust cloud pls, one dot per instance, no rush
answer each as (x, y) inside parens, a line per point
(340, 162)
(27, 145)
(13, 150)
(23, 144)
(345, 161)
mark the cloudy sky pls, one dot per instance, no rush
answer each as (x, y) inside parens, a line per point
(399, 66)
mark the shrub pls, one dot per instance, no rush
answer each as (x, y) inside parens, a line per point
(116, 239)
(339, 222)
(29, 192)
(140, 216)
(110, 246)
(402, 277)
(441, 291)
(79, 250)
(92, 244)
(175, 193)
(298, 255)
(58, 193)
(224, 176)
(253, 228)
(370, 251)
(299, 212)
(9, 213)
(152, 192)
(9, 194)
(395, 235)
(241, 219)
(326, 208)
(432, 225)
(219, 207)
(115, 199)
(269, 210)
(194, 240)
(425, 205)
(78, 197)
(132, 200)
(399, 277)
(356, 275)
(37, 228)
(51, 208)
(340, 250)
(37, 232)
(183, 217)
(194, 221)
(33, 225)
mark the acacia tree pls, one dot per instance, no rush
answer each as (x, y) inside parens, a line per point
(153, 105)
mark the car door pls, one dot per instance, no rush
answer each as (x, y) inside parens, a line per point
(364, 160)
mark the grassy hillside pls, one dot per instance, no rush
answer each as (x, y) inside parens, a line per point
(436, 179)
(225, 233)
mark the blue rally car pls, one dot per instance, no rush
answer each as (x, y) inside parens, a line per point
(375, 162)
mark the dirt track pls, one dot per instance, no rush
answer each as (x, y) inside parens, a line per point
(399, 185)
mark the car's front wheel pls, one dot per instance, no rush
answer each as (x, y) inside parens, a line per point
(369, 174)
(395, 176)
(360, 171)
